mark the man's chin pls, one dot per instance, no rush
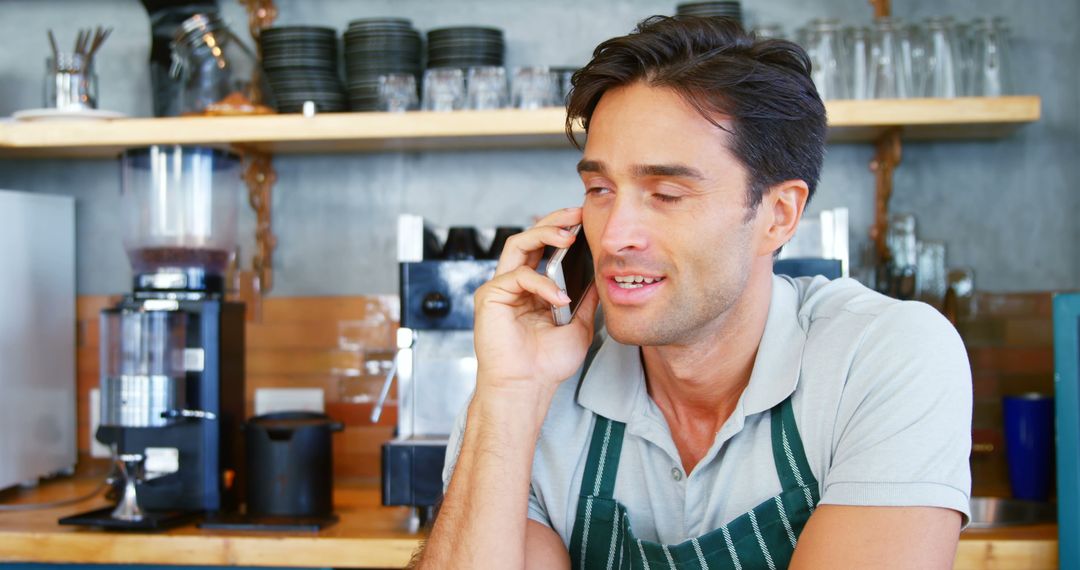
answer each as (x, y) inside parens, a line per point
(631, 333)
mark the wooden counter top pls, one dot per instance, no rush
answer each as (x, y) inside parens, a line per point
(367, 536)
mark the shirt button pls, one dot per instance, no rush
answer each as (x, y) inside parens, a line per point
(676, 474)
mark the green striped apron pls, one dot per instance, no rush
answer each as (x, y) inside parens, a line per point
(762, 538)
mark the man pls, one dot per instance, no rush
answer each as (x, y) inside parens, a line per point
(731, 419)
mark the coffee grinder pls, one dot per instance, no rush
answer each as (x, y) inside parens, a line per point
(172, 351)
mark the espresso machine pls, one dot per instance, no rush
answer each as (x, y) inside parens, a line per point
(440, 270)
(172, 351)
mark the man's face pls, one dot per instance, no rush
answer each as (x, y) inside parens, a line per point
(666, 215)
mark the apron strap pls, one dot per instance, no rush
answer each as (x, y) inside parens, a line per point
(788, 453)
(602, 464)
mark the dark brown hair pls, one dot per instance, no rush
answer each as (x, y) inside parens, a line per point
(764, 86)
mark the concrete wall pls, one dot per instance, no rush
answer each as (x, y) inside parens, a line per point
(1003, 207)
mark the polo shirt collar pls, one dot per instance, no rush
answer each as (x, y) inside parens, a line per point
(614, 385)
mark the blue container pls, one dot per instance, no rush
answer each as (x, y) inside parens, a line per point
(1029, 445)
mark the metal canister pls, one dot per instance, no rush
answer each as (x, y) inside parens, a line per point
(143, 375)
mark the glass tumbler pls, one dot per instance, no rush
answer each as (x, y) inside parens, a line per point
(397, 92)
(486, 88)
(890, 77)
(857, 54)
(827, 57)
(930, 281)
(942, 59)
(534, 88)
(444, 89)
(70, 83)
(990, 74)
(769, 32)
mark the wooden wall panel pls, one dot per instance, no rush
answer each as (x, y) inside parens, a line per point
(293, 345)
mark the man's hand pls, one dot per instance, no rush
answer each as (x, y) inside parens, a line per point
(518, 345)
(522, 358)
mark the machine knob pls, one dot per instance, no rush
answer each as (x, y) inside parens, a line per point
(435, 304)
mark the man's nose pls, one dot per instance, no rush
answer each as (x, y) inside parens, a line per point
(625, 227)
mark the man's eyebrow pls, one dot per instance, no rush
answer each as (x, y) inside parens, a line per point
(591, 166)
(668, 170)
(646, 170)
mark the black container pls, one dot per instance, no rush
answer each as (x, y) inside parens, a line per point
(502, 233)
(290, 464)
(461, 243)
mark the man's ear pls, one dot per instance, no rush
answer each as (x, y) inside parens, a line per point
(782, 207)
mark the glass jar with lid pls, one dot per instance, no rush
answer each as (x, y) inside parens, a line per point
(215, 69)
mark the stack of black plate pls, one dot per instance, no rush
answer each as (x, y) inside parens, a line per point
(728, 9)
(374, 47)
(465, 47)
(301, 65)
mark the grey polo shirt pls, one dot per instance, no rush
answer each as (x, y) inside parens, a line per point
(882, 400)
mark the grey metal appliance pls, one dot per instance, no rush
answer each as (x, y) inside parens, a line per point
(436, 363)
(37, 336)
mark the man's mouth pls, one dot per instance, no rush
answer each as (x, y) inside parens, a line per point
(635, 281)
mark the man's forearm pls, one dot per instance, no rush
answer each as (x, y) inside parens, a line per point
(483, 516)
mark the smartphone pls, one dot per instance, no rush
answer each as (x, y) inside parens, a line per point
(571, 268)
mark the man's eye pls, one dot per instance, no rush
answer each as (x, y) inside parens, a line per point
(667, 198)
(596, 190)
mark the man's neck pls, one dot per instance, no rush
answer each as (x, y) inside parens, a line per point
(697, 385)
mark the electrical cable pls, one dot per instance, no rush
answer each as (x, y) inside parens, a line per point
(61, 503)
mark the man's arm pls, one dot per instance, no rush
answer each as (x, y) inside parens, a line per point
(899, 479)
(878, 537)
(522, 358)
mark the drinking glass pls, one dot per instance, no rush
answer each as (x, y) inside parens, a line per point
(827, 57)
(486, 88)
(857, 54)
(913, 58)
(966, 50)
(890, 77)
(769, 32)
(444, 89)
(397, 92)
(990, 58)
(942, 59)
(565, 77)
(70, 83)
(534, 88)
(930, 273)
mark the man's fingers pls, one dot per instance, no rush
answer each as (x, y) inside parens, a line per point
(512, 288)
(565, 217)
(525, 248)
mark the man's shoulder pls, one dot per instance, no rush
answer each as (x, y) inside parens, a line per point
(845, 313)
(820, 298)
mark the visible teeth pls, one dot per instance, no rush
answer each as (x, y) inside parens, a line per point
(635, 281)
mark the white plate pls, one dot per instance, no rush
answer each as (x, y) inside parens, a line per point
(65, 115)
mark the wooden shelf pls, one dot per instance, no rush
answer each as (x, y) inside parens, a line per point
(849, 121)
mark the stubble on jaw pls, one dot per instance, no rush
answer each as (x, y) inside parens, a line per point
(691, 319)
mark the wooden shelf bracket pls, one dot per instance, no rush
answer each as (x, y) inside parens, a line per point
(887, 156)
(882, 8)
(259, 171)
(260, 176)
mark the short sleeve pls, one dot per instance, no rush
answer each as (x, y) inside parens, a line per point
(903, 430)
